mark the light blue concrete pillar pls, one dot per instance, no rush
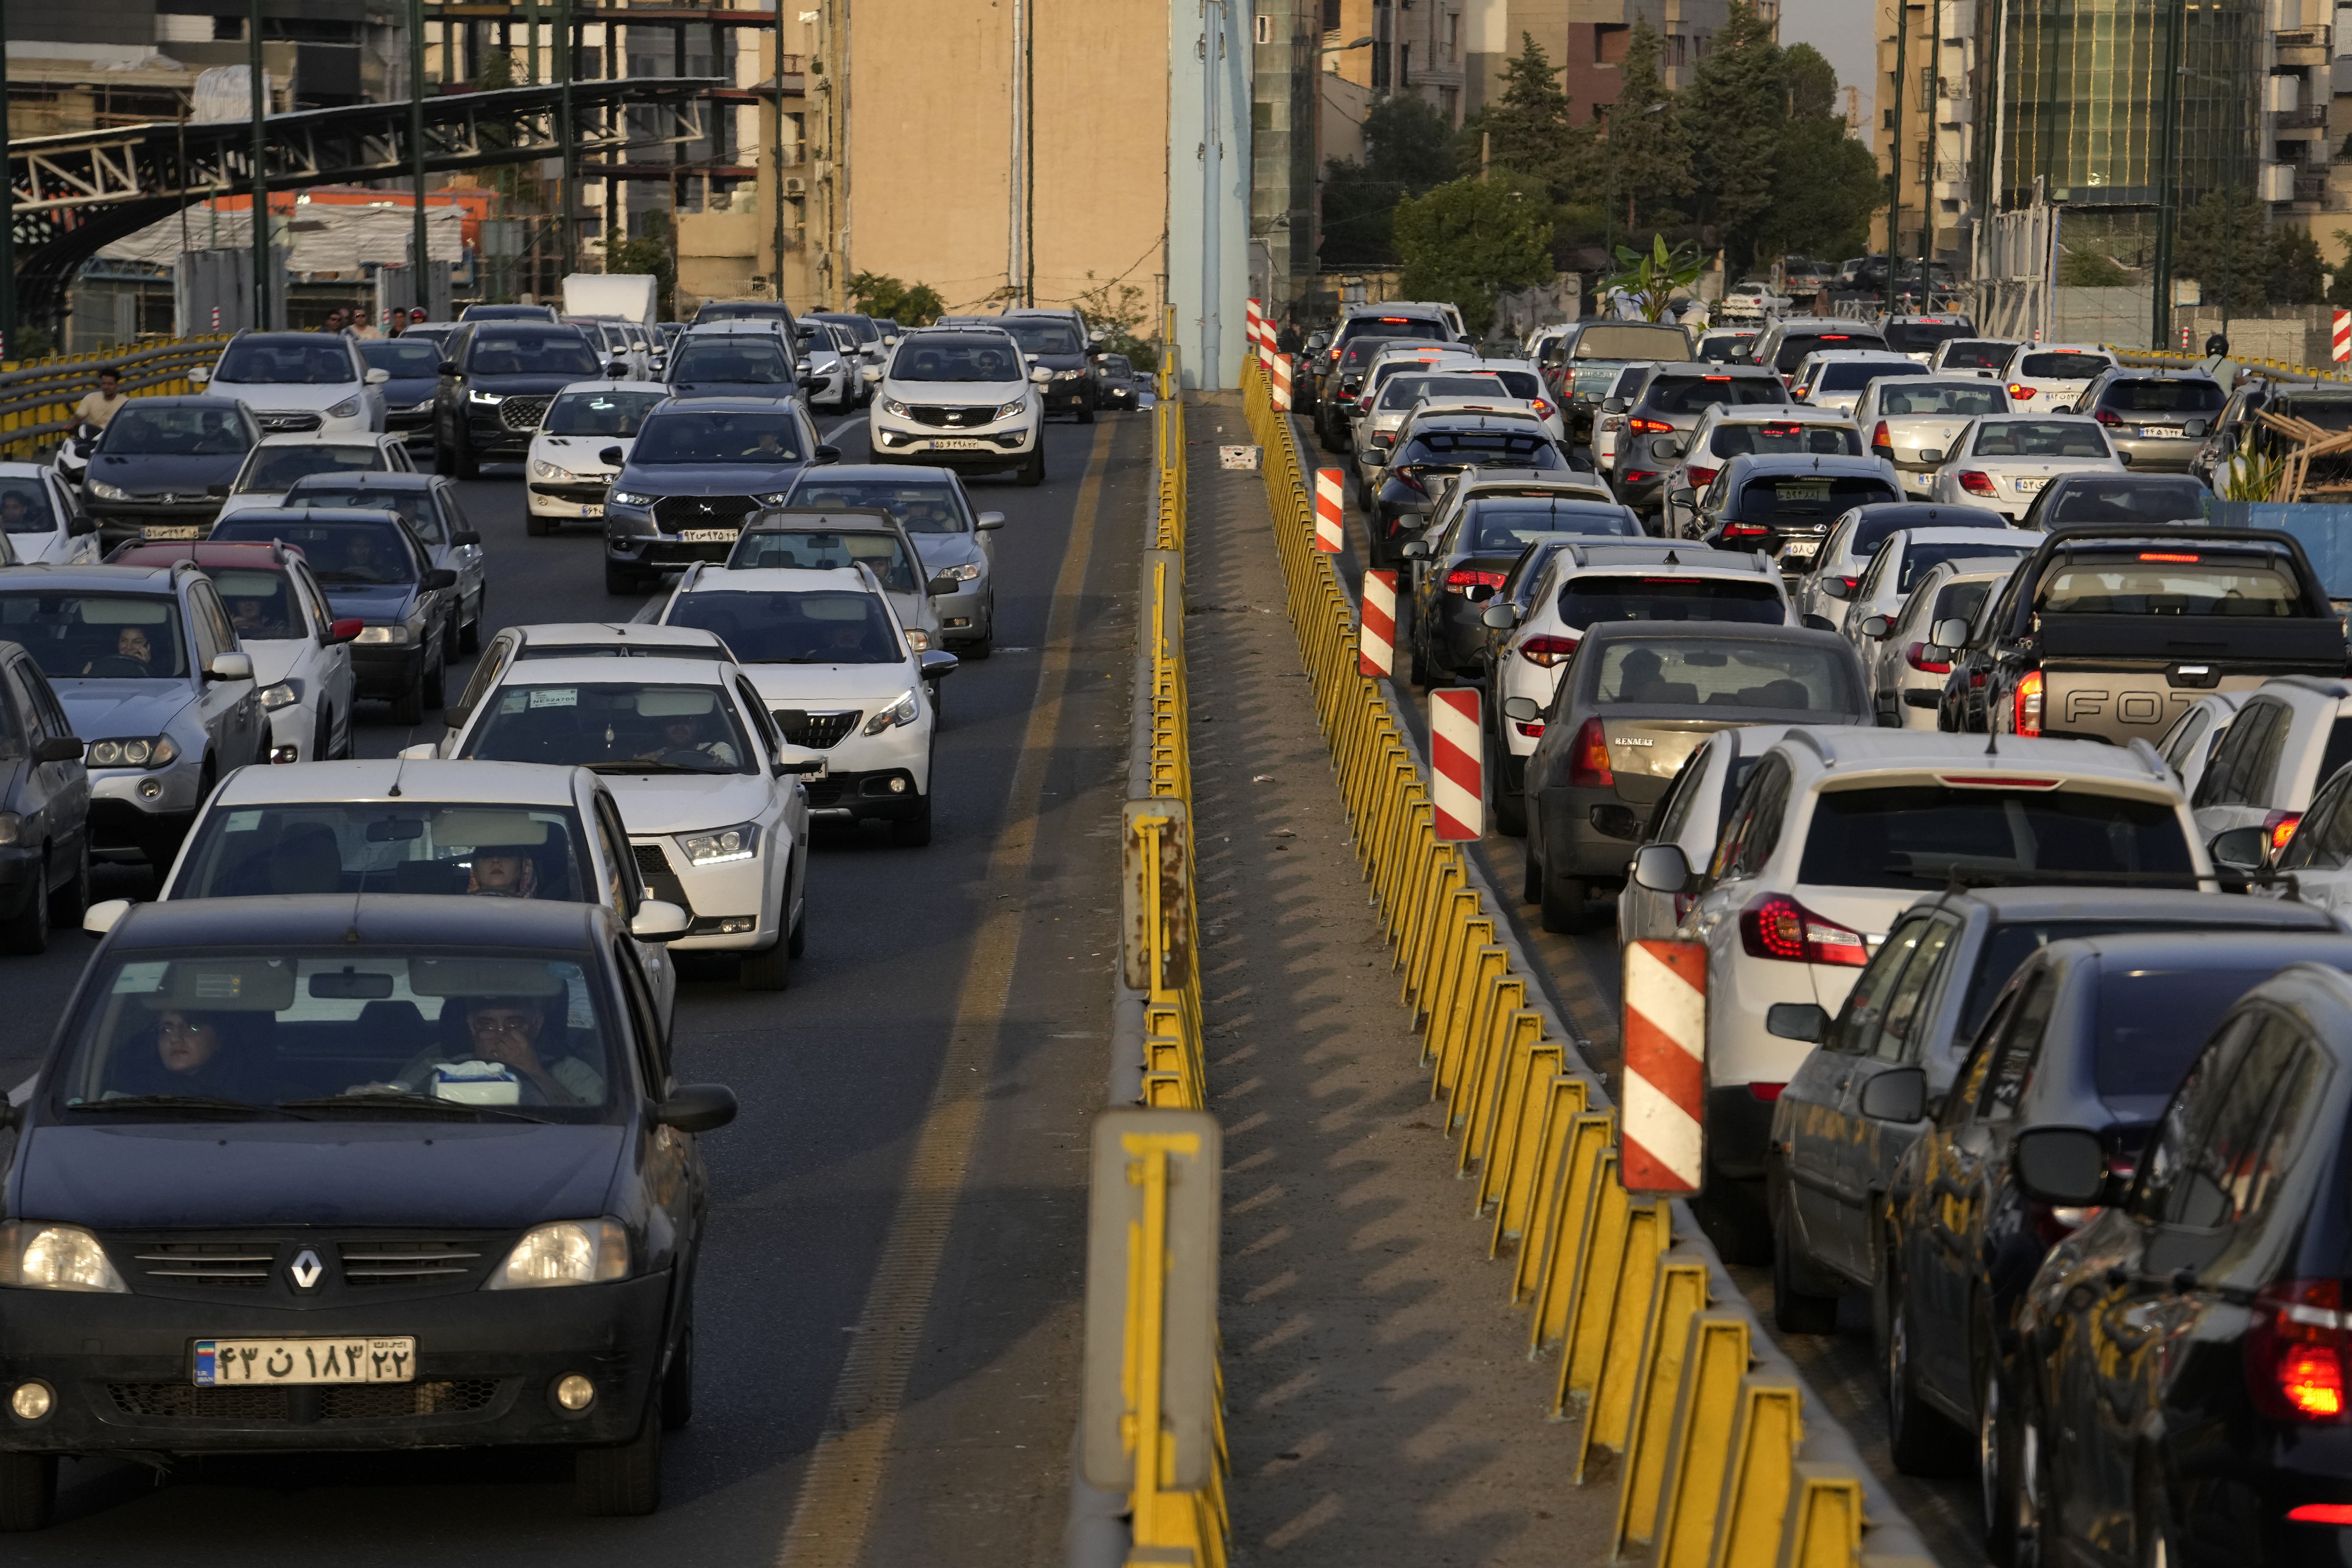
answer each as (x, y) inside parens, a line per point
(1209, 51)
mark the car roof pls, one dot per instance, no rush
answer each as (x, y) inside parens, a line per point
(251, 335)
(1713, 631)
(525, 323)
(2068, 349)
(593, 671)
(606, 634)
(2117, 375)
(852, 520)
(313, 514)
(1778, 414)
(251, 553)
(119, 579)
(1684, 556)
(1962, 533)
(1704, 370)
(779, 580)
(765, 325)
(1851, 752)
(327, 438)
(887, 472)
(2023, 903)
(2194, 950)
(1799, 462)
(1884, 356)
(1927, 509)
(602, 383)
(2016, 415)
(374, 778)
(685, 407)
(311, 920)
(1485, 476)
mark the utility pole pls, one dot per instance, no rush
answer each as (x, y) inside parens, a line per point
(7, 217)
(1895, 155)
(1213, 180)
(2167, 173)
(261, 171)
(416, 251)
(567, 195)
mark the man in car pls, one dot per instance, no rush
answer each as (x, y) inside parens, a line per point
(683, 732)
(251, 617)
(506, 1030)
(361, 558)
(97, 407)
(768, 445)
(15, 510)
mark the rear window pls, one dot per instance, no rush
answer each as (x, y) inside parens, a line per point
(2339, 749)
(1720, 673)
(1919, 557)
(1919, 835)
(2168, 583)
(1663, 596)
(1797, 345)
(1693, 394)
(1919, 337)
(2040, 439)
(2008, 946)
(1364, 338)
(1501, 524)
(1844, 375)
(2327, 412)
(1978, 354)
(1820, 440)
(1721, 351)
(1404, 391)
(2152, 1023)
(1808, 498)
(1964, 398)
(2170, 395)
(2125, 499)
(2065, 366)
(1633, 340)
(1519, 450)
(1524, 384)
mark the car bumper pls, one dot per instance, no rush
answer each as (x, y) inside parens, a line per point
(20, 879)
(996, 446)
(487, 438)
(868, 794)
(1589, 834)
(963, 615)
(385, 669)
(547, 498)
(1067, 396)
(2156, 454)
(120, 1367)
(728, 903)
(1460, 636)
(145, 813)
(119, 521)
(663, 551)
(416, 424)
(294, 732)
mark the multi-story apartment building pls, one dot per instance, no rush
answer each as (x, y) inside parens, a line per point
(1586, 40)
(1926, 68)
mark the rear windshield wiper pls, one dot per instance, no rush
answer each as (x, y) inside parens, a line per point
(213, 1103)
(401, 1100)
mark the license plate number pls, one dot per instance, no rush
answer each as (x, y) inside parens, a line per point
(2166, 430)
(962, 444)
(592, 509)
(188, 530)
(2027, 487)
(708, 535)
(227, 1364)
(1800, 550)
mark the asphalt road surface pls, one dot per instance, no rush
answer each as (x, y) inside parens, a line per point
(887, 1314)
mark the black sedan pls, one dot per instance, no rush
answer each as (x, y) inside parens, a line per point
(413, 363)
(429, 504)
(2139, 498)
(497, 380)
(1439, 446)
(376, 571)
(2093, 1033)
(325, 1174)
(165, 462)
(1458, 572)
(697, 471)
(2186, 1359)
(44, 808)
(1784, 502)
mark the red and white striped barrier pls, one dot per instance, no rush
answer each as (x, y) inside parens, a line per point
(1280, 365)
(1664, 1135)
(1253, 331)
(1331, 530)
(1376, 642)
(1457, 793)
(2340, 345)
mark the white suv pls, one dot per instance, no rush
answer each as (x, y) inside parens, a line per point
(301, 381)
(1835, 834)
(960, 397)
(832, 664)
(2292, 735)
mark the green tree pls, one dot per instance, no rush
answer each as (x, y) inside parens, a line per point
(879, 294)
(2091, 270)
(2298, 272)
(1408, 142)
(2225, 243)
(1407, 150)
(1734, 110)
(1530, 129)
(1119, 311)
(1649, 161)
(1812, 80)
(1825, 187)
(650, 249)
(1463, 241)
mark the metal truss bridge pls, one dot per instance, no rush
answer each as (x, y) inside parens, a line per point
(81, 190)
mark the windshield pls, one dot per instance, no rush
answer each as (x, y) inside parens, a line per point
(820, 549)
(305, 361)
(2065, 366)
(276, 467)
(2327, 412)
(751, 361)
(408, 358)
(1661, 596)
(955, 356)
(175, 432)
(1693, 394)
(1724, 673)
(1797, 345)
(2009, 945)
(352, 552)
(1911, 836)
(485, 848)
(1918, 558)
(600, 413)
(24, 507)
(2040, 439)
(1917, 337)
(97, 637)
(1821, 440)
(861, 328)
(1633, 340)
(1978, 353)
(2152, 1025)
(1724, 348)
(739, 310)
(2126, 500)
(822, 625)
(500, 352)
(689, 435)
(1955, 397)
(462, 1034)
(261, 603)
(1851, 375)
(1366, 336)
(2169, 583)
(614, 727)
(920, 506)
(1872, 524)
(1504, 524)
(1043, 337)
(1959, 602)
(1804, 498)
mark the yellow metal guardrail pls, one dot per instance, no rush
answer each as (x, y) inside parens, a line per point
(37, 397)
(1711, 1450)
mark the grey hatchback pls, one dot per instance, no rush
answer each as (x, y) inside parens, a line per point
(2156, 420)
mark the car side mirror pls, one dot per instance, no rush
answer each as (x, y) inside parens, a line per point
(1836, 588)
(449, 367)
(811, 382)
(1662, 868)
(440, 577)
(200, 375)
(1667, 448)
(889, 340)
(377, 375)
(1876, 627)
(828, 454)
(1685, 496)
(2065, 1167)
(1414, 549)
(1951, 632)
(348, 629)
(801, 760)
(1039, 374)
(80, 525)
(2239, 848)
(871, 372)
(988, 521)
(1612, 405)
(59, 749)
(945, 583)
(104, 915)
(464, 537)
(936, 663)
(618, 369)
(1797, 1021)
(696, 1108)
(1931, 455)
(1521, 710)
(658, 921)
(1500, 617)
(423, 752)
(1898, 1094)
(2123, 456)
(612, 457)
(230, 666)
(2194, 428)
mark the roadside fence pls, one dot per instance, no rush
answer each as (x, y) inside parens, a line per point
(37, 397)
(1684, 1403)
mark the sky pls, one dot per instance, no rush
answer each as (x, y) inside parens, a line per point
(1841, 30)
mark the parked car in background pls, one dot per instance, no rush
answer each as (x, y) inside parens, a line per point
(1908, 668)
(166, 462)
(1752, 300)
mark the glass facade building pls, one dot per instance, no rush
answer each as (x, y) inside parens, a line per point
(1285, 100)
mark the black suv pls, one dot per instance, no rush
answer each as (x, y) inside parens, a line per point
(496, 386)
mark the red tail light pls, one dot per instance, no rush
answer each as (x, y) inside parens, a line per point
(1648, 427)
(1461, 579)
(1588, 759)
(2106, 416)
(1409, 476)
(2295, 1351)
(1548, 650)
(2321, 1514)
(1882, 437)
(1767, 1093)
(1635, 476)
(1700, 477)
(2279, 826)
(1531, 728)
(1800, 393)
(1979, 484)
(1916, 656)
(1543, 409)
(1745, 531)
(2019, 391)
(1777, 926)
(2025, 704)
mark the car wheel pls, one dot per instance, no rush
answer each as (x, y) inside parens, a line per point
(1033, 469)
(770, 969)
(621, 580)
(798, 943)
(468, 466)
(322, 738)
(536, 526)
(29, 1491)
(1795, 1311)
(1562, 901)
(914, 832)
(623, 1480)
(2156, 1537)
(677, 1381)
(408, 708)
(1086, 414)
(1919, 1440)
(986, 644)
(469, 639)
(28, 932)
(445, 453)
(67, 903)
(1510, 805)
(1997, 1445)
(435, 683)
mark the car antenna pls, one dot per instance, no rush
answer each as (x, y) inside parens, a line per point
(393, 792)
(1673, 559)
(1992, 738)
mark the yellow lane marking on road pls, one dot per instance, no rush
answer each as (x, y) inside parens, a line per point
(845, 1476)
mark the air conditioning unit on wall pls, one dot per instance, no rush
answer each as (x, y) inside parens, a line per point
(794, 186)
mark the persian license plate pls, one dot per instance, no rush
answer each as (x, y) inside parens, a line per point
(2027, 487)
(229, 1364)
(185, 531)
(2173, 431)
(1800, 549)
(709, 535)
(592, 509)
(962, 444)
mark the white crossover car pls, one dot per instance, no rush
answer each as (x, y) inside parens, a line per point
(43, 518)
(2045, 378)
(297, 381)
(567, 475)
(961, 399)
(1907, 670)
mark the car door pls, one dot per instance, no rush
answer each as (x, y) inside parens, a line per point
(1645, 913)
(460, 546)
(330, 661)
(230, 710)
(1866, 1148)
(1816, 607)
(54, 798)
(670, 1166)
(784, 793)
(77, 542)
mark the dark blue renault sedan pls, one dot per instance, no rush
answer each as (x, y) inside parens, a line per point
(343, 1173)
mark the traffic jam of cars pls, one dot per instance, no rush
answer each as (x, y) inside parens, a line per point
(432, 992)
(2000, 778)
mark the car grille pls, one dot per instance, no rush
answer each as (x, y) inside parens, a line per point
(927, 413)
(337, 1401)
(523, 412)
(672, 514)
(234, 1265)
(375, 1264)
(650, 859)
(255, 1264)
(281, 422)
(815, 730)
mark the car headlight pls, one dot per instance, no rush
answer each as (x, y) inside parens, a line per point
(424, 407)
(773, 497)
(139, 751)
(285, 694)
(918, 639)
(720, 846)
(895, 408)
(105, 491)
(56, 1258)
(905, 711)
(542, 469)
(12, 827)
(1013, 409)
(483, 399)
(568, 1252)
(396, 633)
(630, 498)
(963, 573)
(345, 409)
(1067, 374)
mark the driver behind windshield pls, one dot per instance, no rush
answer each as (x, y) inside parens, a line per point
(131, 645)
(683, 732)
(508, 1031)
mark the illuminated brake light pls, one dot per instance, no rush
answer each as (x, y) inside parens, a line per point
(1714, 378)
(1648, 427)
(2278, 826)
(1916, 656)
(1881, 436)
(2184, 559)
(2019, 390)
(1799, 391)
(2295, 1350)
(1777, 926)
(1548, 650)
(1700, 476)
(2025, 704)
(1834, 337)
(1532, 729)
(1461, 579)
(2321, 1514)
(1588, 759)
(2106, 416)
(1978, 483)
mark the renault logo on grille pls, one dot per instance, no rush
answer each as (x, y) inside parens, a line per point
(306, 1270)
